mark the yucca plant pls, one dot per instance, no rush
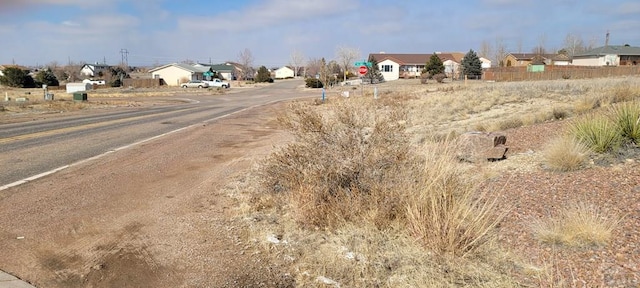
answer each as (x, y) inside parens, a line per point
(627, 117)
(598, 132)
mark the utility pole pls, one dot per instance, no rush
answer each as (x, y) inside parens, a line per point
(125, 57)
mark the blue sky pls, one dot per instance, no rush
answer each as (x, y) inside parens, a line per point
(156, 32)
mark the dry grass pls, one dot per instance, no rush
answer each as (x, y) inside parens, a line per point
(576, 225)
(366, 197)
(446, 214)
(565, 154)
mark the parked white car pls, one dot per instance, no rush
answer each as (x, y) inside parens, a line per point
(194, 84)
(218, 83)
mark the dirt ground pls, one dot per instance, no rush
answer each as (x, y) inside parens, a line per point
(154, 215)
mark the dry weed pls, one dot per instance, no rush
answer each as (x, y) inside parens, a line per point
(565, 154)
(576, 225)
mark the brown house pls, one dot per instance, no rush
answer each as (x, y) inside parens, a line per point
(524, 59)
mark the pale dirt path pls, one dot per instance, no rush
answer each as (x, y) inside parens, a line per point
(154, 215)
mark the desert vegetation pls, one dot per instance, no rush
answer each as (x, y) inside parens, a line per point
(369, 192)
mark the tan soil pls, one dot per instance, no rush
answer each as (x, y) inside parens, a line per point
(154, 215)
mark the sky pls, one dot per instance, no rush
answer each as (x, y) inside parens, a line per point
(157, 32)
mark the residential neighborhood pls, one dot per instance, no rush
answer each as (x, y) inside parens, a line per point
(392, 66)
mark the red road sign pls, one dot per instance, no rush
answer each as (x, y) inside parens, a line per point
(363, 70)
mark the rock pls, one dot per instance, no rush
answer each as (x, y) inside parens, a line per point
(479, 146)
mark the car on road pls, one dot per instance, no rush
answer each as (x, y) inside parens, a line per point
(194, 84)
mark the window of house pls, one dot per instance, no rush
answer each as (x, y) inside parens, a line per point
(387, 68)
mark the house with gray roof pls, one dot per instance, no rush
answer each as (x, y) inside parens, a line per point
(175, 74)
(610, 55)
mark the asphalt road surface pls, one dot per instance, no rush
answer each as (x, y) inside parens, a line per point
(33, 149)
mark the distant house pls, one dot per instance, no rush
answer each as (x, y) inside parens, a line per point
(284, 72)
(611, 55)
(486, 63)
(396, 66)
(525, 59)
(94, 70)
(225, 70)
(176, 73)
(2, 67)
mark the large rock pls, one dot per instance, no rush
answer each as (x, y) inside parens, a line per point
(479, 146)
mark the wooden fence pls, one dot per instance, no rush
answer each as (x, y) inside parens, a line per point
(143, 83)
(557, 72)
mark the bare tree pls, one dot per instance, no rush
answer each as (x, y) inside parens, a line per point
(519, 44)
(245, 58)
(573, 44)
(541, 48)
(486, 51)
(345, 57)
(296, 61)
(500, 52)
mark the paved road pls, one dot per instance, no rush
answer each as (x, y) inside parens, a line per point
(31, 150)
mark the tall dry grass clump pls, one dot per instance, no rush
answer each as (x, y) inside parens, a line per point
(446, 214)
(576, 225)
(565, 154)
(346, 163)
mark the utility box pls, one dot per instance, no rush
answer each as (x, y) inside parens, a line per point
(79, 96)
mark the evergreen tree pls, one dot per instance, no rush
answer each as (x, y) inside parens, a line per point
(263, 74)
(471, 65)
(373, 74)
(434, 66)
(16, 77)
(46, 76)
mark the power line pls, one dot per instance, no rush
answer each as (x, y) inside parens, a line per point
(125, 57)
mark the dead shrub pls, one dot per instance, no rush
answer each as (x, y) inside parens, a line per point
(344, 162)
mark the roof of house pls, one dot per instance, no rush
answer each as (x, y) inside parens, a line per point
(98, 66)
(415, 59)
(183, 66)
(611, 49)
(530, 56)
(5, 66)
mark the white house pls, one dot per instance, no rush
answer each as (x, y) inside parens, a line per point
(611, 55)
(486, 63)
(94, 70)
(176, 73)
(396, 66)
(284, 72)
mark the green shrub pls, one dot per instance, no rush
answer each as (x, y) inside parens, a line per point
(313, 83)
(598, 132)
(627, 118)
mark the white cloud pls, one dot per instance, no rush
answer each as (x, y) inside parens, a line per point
(268, 13)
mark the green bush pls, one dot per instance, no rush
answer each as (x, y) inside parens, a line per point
(598, 132)
(313, 83)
